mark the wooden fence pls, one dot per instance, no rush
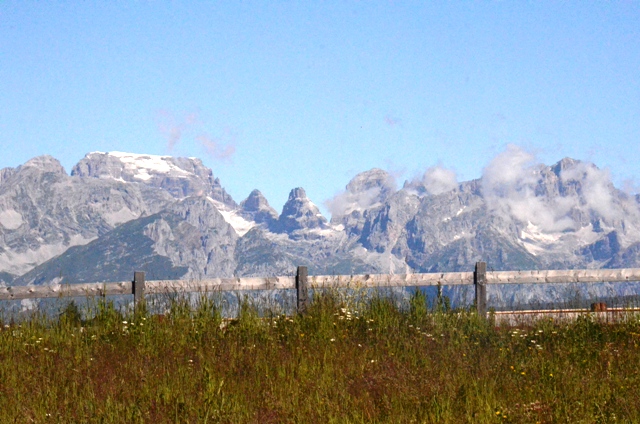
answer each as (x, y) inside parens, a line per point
(301, 282)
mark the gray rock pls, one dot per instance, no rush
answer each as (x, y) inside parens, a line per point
(170, 217)
(181, 177)
(626, 258)
(299, 213)
(367, 190)
(194, 234)
(6, 279)
(5, 174)
(263, 253)
(256, 208)
(43, 211)
(604, 249)
(190, 239)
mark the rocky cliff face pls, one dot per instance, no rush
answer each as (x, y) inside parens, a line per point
(563, 216)
(180, 177)
(256, 208)
(43, 211)
(299, 215)
(119, 212)
(189, 239)
(366, 191)
(5, 174)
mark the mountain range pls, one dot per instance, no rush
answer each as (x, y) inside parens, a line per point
(119, 212)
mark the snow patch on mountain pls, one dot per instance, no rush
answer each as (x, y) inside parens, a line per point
(323, 232)
(239, 224)
(180, 177)
(120, 216)
(533, 233)
(538, 242)
(19, 263)
(314, 206)
(10, 219)
(143, 166)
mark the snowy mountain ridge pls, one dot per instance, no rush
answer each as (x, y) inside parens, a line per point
(171, 216)
(142, 167)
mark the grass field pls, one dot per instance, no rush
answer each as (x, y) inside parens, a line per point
(345, 361)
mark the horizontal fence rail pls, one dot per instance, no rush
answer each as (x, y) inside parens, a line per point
(151, 287)
(65, 290)
(220, 284)
(301, 282)
(564, 276)
(396, 280)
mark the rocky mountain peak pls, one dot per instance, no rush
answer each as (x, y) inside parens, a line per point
(181, 177)
(44, 164)
(563, 165)
(373, 178)
(254, 202)
(6, 173)
(256, 208)
(171, 215)
(366, 190)
(133, 167)
(39, 170)
(300, 213)
(297, 193)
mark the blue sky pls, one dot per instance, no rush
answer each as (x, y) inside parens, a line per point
(276, 95)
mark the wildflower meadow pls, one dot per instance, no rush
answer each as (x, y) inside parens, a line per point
(373, 360)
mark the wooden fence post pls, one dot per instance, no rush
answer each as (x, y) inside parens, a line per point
(302, 289)
(138, 288)
(480, 282)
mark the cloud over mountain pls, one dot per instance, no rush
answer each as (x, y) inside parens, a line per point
(436, 180)
(363, 192)
(173, 216)
(510, 187)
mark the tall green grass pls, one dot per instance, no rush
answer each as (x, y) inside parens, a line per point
(349, 359)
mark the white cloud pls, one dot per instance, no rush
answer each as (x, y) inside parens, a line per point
(597, 189)
(509, 186)
(439, 180)
(436, 180)
(515, 186)
(510, 180)
(365, 190)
